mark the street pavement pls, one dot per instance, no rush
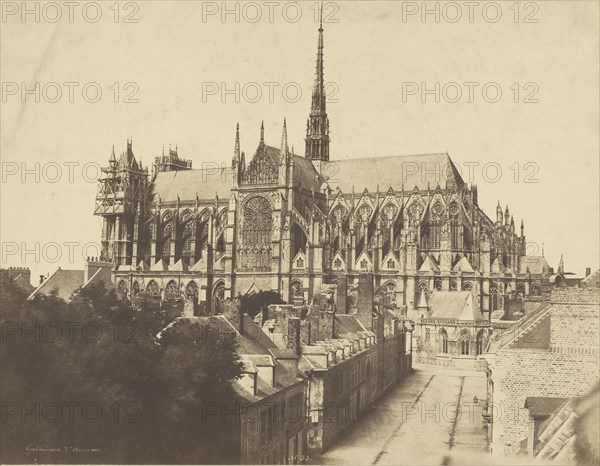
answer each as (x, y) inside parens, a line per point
(418, 422)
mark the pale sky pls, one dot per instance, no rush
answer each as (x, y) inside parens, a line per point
(171, 55)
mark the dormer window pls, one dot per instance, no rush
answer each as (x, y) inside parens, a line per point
(363, 264)
(390, 264)
(300, 263)
(337, 263)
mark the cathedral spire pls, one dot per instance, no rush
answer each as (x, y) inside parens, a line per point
(262, 131)
(317, 130)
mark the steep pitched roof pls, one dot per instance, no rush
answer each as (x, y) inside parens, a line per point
(557, 432)
(454, 305)
(188, 183)
(423, 171)
(64, 281)
(592, 280)
(535, 264)
(23, 283)
(429, 265)
(347, 323)
(463, 265)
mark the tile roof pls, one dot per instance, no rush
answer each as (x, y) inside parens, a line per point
(23, 283)
(64, 281)
(557, 432)
(455, 305)
(347, 323)
(543, 405)
(592, 280)
(536, 336)
(423, 171)
(518, 329)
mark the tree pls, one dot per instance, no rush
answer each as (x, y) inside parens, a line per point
(97, 351)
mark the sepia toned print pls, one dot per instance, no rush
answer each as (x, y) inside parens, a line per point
(301, 232)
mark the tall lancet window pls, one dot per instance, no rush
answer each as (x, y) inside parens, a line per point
(456, 236)
(256, 234)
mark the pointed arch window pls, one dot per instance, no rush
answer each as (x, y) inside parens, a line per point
(257, 234)
(191, 291)
(443, 341)
(172, 291)
(297, 293)
(464, 344)
(480, 342)
(153, 288)
(122, 287)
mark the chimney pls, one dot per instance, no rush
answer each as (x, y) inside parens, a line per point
(41, 279)
(588, 271)
(293, 336)
(342, 294)
(232, 310)
(264, 315)
(365, 300)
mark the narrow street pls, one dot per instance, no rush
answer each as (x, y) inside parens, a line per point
(418, 422)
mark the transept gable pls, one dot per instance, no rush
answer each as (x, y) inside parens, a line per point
(463, 265)
(338, 262)
(363, 262)
(429, 265)
(391, 261)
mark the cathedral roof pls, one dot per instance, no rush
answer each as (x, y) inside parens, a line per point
(423, 171)
(535, 264)
(307, 175)
(186, 184)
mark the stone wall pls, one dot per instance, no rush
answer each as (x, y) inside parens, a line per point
(567, 368)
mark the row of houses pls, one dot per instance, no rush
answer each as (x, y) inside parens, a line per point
(309, 372)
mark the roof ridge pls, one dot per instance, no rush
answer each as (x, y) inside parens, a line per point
(423, 154)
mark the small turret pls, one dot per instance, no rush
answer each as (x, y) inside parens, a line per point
(113, 159)
(561, 266)
(499, 214)
(262, 132)
(522, 229)
(236, 149)
(284, 142)
(506, 216)
(512, 225)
